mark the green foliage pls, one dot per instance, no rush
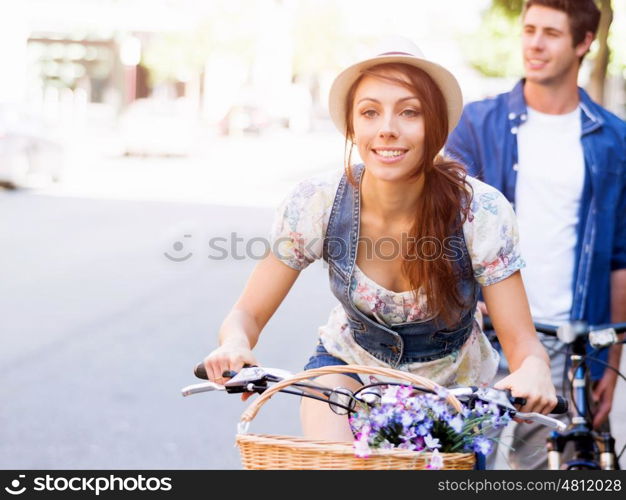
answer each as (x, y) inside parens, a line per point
(495, 49)
(318, 30)
(510, 8)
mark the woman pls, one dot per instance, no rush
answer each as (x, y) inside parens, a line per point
(409, 240)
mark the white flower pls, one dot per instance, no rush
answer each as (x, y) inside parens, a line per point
(362, 448)
(431, 442)
(390, 396)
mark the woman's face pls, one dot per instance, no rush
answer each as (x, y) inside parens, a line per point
(388, 128)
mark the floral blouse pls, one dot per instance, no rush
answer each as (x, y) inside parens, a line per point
(491, 237)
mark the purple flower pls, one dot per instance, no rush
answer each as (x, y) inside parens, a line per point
(436, 461)
(408, 434)
(456, 423)
(379, 418)
(480, 408)
(499, 421)
(407, 419)
(419, 443)
(405, 392)
(439, 408)
(424, 427)
(482, 445)
(407, 445)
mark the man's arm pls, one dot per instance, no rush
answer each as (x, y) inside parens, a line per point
(603, 393)
(462, 146)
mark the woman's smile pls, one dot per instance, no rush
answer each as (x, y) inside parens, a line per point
(390, 155)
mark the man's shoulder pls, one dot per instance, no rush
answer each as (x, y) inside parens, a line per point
(611, 120)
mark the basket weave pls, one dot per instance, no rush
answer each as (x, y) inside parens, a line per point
(264, 451)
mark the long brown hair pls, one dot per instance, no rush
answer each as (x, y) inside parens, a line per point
(444, 202)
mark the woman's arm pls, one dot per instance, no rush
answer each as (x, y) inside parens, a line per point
(528, 360)
(267, 286)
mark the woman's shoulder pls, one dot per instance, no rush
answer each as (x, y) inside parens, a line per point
(314, 194)
(486, 200)
(322, 185)
(301, 219)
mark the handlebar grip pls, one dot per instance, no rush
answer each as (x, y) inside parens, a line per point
(200, 372)
(561, 406)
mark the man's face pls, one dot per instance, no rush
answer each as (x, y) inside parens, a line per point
(548, 50)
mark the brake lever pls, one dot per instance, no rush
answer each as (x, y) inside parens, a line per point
(542, 419)
(203, 387)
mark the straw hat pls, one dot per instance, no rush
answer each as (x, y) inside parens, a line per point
(395, 50)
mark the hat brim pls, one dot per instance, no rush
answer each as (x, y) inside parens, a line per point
(445, 80)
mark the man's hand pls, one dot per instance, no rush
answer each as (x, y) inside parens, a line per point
(603, 395)
(482, 307)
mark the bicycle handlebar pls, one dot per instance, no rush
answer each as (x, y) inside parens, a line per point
(600, 336)
(259, 378)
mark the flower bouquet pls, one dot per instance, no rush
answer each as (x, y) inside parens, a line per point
(407, 419)
(385, 425)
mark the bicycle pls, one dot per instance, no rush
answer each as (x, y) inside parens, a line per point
(592, 450)
(314, 455)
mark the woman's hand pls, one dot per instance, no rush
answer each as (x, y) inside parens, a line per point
(226, 358)
(532, 380)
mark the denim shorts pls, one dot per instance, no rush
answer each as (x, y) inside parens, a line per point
(323, 358)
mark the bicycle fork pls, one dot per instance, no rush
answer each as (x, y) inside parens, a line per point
(587, 443)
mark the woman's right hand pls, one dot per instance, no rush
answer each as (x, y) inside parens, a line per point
(226, 358)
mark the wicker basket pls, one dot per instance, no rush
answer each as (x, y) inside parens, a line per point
(262, 451)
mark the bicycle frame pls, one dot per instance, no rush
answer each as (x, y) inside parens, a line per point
(588, 444)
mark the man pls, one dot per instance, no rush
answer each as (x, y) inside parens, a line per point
(560, 159)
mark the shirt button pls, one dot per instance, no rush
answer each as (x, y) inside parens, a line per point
(512, 116)
(516, 167)
(514, 130)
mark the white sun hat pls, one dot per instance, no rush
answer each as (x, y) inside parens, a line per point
(395, 50)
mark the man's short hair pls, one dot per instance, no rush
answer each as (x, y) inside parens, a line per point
(583, 15)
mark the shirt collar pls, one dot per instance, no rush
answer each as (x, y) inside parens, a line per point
(518, 108)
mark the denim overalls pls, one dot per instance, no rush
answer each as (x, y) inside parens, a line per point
(406, 342)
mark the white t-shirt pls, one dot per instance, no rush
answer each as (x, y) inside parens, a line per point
(550, 180)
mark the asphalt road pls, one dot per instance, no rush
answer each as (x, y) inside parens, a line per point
(100, 330)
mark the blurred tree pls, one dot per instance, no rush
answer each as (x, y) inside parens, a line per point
(491, 49)
(176, 56)
(601, 62)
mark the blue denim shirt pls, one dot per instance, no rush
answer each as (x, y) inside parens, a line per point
(398, 344)
(485, 141)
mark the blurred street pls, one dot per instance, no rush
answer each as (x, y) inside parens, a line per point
(100, 331)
